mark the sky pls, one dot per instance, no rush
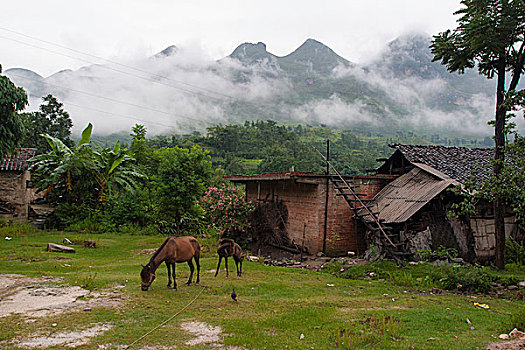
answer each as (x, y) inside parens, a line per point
(124, 30)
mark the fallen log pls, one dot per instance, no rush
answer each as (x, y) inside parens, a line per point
(288, 249)
(51, 247)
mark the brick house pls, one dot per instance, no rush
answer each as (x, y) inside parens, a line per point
(311, 200)
(408, 194)
(15, 185)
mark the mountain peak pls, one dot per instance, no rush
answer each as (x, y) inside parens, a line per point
(249, 53)
(169, 51)
(315, 56)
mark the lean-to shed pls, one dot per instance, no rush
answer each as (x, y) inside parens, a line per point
(418, 205)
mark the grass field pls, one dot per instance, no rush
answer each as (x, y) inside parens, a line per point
(278, 308)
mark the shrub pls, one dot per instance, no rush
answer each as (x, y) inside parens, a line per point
(227, 210)
(466, 279)
(514, 252)
(440, 253)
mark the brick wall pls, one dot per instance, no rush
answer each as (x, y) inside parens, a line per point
(303, 203)
(306, 205)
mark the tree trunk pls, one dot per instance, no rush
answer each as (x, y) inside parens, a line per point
(499, 159)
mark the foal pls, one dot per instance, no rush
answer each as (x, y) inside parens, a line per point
(227, 247)
(173, 250)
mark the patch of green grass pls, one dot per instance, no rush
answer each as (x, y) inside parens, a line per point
(275, 304)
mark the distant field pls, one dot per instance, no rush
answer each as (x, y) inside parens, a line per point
(278, 308)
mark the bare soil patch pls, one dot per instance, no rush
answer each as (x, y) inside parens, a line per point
(147, 251)
(36, 297)
(204, 332)
(507, 345)
(66, 339)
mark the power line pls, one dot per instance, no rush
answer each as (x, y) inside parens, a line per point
(117, 63)
(119, 115)
(105, 98)
(114, 69)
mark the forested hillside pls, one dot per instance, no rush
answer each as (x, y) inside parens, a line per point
(265, 146)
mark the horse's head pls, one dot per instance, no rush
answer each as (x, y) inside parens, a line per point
(148, 276)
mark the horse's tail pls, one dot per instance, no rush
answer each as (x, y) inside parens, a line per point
(197, 247)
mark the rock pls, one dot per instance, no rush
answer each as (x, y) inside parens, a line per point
(301, 336)
(320, 254)
(252, 258)
(503, 336)
(350, 254)
(515, 333)
(457, 260)
(51, 247)
(521, 284)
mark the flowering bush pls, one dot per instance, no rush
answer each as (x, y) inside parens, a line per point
(227, 210)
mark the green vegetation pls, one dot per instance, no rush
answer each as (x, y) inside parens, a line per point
(52, 120)
(276, 305)
(265, 146)
(490, 36)
(12, 100)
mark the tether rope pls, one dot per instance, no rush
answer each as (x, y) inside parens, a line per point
(166, 321)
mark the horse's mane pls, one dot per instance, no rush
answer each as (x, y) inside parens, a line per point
(226, 241)
(159, 250)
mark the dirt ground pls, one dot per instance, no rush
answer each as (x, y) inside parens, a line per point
(43, 296)
(38, 297)
(507, 345)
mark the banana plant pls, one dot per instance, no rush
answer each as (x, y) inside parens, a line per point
(116, 170)
(85, 172)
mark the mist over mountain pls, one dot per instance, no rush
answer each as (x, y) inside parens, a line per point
(181, 90)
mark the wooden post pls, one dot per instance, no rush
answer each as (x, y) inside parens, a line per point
(302, 245)
(327, 194)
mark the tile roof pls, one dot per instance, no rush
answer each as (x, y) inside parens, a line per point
(456, 162)
(17, 161)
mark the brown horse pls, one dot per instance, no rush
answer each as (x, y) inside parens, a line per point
(227, 247)
(173, 250)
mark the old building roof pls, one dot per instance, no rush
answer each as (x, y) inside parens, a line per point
(407, 194)
(295, 175)
(456, 162)
(17, 161)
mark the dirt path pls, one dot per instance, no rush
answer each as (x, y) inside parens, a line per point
(37, 297)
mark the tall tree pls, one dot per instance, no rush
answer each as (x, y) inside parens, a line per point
(51, 119)
(12, 100)
(181, 179)
(491, 36)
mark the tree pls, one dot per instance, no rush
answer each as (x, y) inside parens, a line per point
(12, 100)
(181, 179)
(490, 35)
(83, 174)
(138, 147)
(52, 120)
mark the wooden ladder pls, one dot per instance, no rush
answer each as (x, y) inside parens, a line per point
(389, 241)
